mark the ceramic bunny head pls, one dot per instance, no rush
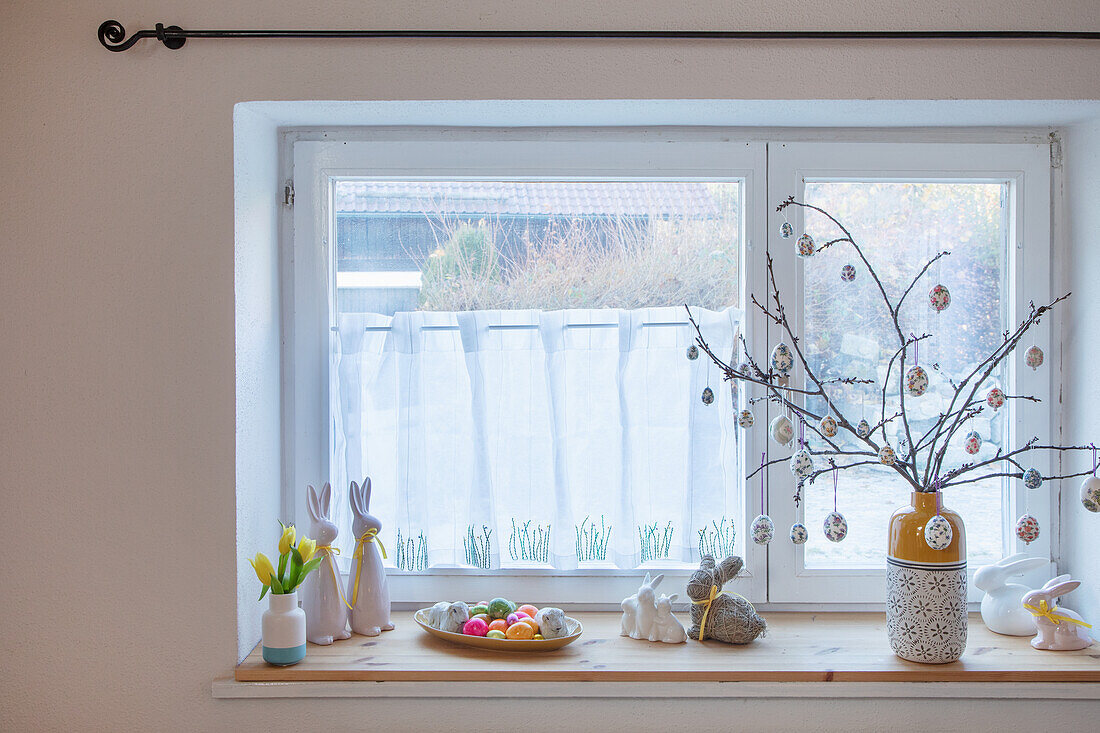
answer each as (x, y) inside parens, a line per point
(360, 504)
(319, 504)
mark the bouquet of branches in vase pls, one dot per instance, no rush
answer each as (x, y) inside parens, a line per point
(926, 554)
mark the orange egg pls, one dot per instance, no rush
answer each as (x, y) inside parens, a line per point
(520, 630)
(499, 624)
(528, 609)
(530, 621)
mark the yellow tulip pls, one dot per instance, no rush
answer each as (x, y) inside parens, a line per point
(287, 540)
(263, 567)
(306, 548)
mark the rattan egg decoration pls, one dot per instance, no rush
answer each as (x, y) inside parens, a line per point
(916, 381)
(802, 463)
(848, 273)
(1033, 357)
(745, 419)
(995, 398)
(799, 533)
(835, 527)
(782, 360)
(973, 442)
(886, 456)
(781, 429)
(939, 297)
(1027, 528)
(828, 426)
(763, 529)
(786, 230)
(1032, 478)
(805, 246)
(863, 430)
(693, 352)
(938, 533)
(708, 395)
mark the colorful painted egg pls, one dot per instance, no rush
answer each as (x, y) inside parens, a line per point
(708, 395)
(475, 627)
(835, 526)
(973, 442)
(916, 381)
(786, 230)
(939, 297)
(828, 426)
(745, 368)
(802, 463)
(745, 419)
(782, 359)
(938, 533)
(805, 246)
(693, 352)
(1090, 493)
(1032, 478)
(799, 533)
(1034, 357)
(995, 398)
(863, 430)
(1027, 528)
(496, 634)
(848, 273)
(781, 429)
(886, 456)
(762, 529)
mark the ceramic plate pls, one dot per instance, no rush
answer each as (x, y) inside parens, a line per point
(503, 645)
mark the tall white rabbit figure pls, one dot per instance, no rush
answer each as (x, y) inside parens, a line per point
(368, 591)
(640, 610)
(1060, 629)
(666, 627)
(1002, 609)
(322, 596)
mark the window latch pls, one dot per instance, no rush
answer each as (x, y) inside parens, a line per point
(288, 194)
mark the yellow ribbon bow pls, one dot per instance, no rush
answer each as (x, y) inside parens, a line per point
(332, 553)
(713, 594)
(1049, 613)
(371, 535)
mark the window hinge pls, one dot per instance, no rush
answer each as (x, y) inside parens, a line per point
(288, 194)
(1055, 150)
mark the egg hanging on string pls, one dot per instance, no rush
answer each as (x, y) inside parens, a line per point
(745, 368)
(781, 429)
(938, 533)
(692, 352)
(939, 297)
(708, 395)
(916, 381)
(786, 230)
(1027, 528)
(805, 246)
(973, 442)
(799, 533)
(1090, 493)
(802, 463)
(886, 456)
(863, 430)
(848, 273)
(835, 526)
(782, 359)
(1032, 478)
(763, 529)
(746, 419)
(828, 426)
(995, 398)
(1034, 357)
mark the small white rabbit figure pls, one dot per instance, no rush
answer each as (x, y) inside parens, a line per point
(640, 609)
(552, 623)
(322, 597)
(368, 591)
(1060, 629)
(1002, 609)
(449, 616)
(666, 627)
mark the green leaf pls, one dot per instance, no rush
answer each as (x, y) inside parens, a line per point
(276, 586)
(309, 567)
(296, 555)
(263, 593)
(282, 564)
(295, 577)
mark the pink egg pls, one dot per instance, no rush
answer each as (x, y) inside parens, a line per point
(516, 616)
(475, 627)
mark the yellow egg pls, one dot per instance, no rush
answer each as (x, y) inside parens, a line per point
(495, 634)
(539, 637)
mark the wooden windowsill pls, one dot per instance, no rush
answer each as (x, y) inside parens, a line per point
(799, 647)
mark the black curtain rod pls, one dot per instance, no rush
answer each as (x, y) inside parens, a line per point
(113, 36)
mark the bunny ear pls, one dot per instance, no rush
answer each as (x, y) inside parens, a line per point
(1056, 581)
(312, 504)
(1005, 562)
(646, 581)
(674, 596)
(1021, 563)
(1062, 588)
(366, 494)
(326, 499)
(353, 497)
(657, 581)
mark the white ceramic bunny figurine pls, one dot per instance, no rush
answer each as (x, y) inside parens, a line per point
(640, 610)
(322, 596)
(1060, 629)
(368, 592)
(666, 627)
(1002, 609)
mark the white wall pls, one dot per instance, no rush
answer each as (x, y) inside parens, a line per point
(117, 301)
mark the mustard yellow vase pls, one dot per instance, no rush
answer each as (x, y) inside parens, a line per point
(926, 587)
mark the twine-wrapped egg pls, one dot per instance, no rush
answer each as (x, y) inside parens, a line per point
(995, 398)
(973, 442)
(1032, 478)
(786, 230)
(805, 246)
(939, 297)
(1090, 493)
(782, 359)
(848, 273)
(835, 526)
(781, 429)
(746, 419)
(1034, 357)
(886, 456)
(708, 395)
(863, 430)
(802, 463)
(938, 533)
(1027, 528)
(762, 529)
(828, 426)
(916, 381)
(799, 533)
(693, 352)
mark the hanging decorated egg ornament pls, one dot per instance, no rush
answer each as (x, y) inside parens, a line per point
(708, 395)
(786, 230)
(799, 533)
(693, 352)
(1027, 528)
(973, 442)
(863, 430)
(939, 298)
(745, 368)
(1034, 357)
(802, 463)
(938, 533)
(1090, 493)
(995, 398)
(848, 273)
(886, 456)
(835, 526)
(746, 419)
(781, 429)
(916, 381)
(805, 246)
(1032, 478)
(782, 359)
(763, 529)
(828, 426)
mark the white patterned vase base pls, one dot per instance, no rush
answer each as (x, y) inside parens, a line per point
(926, 610)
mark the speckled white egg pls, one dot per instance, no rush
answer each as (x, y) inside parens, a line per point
(938, 533)
(1032, 478)
(802, 463)
(886, 456)
(693, 352)
(1027, 528)
(805, 246)
(745, 419)
(1033, 357)
(848, 273)
(781, 429)
(973, 442)
(1090, 493)
(916, 381)
(763, 529)
(782, 359)
(995, 398)
(835, 526)
(708, 395)
(939, 297)
(828, 426)
(786, 230)
(799, 533)
(863, 430)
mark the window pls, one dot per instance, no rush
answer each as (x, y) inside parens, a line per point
(490, 324)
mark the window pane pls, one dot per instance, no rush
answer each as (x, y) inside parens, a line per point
(902, 225)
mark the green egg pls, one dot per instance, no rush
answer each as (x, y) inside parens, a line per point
(495, 634)
(475, 610)
(501, 607)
